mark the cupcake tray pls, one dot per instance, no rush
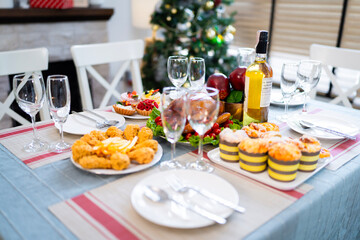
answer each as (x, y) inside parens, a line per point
(301, 177)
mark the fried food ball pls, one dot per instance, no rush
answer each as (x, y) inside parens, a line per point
(145, 134)
(80, 149)
(101, 136)
(131, 131)
(142, 155)
(94, 161)
(153, 144)
(114, 132)
(119, 161)
(90, 139)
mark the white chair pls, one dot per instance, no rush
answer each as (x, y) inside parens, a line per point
(339, 58)
(22, 61)
(84, 56)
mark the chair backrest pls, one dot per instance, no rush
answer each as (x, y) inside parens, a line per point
(84, 56)
(338, 58)
(22, 61)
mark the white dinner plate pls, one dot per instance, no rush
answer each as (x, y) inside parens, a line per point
(171, 215)
(135, 116)
(301, 177)
(79, 126)
(131, 169)
(277, 98)
(326, 120)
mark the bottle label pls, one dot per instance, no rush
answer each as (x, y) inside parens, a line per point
(257, 91)
(266, 92)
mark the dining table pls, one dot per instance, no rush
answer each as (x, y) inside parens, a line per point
(45, 196)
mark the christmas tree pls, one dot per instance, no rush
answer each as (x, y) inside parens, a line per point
(193, 28)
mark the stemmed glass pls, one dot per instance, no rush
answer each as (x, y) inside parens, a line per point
(309, 73)
(202, 111)
(177, 67)
(173, 116)
(29, 90)
(197, 72)
(289, 83)
(58, 95)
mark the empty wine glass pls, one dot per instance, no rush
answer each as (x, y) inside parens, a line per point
(173, 116)
(58, 94)
(197, 72)
(29, 90)
(177, 67)
(309, 73)
(202, 111)
(289, 83)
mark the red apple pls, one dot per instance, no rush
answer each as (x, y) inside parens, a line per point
(220, 82)
(237, 78)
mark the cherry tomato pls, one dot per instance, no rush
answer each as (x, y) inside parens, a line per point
(206, 135)
(217, 131)
(208, 132)
(226, 125)
(187, 136)
(158, 119)
(231, 122)
(212, 135)
(159, 123)
(215, 126)
(196, 134)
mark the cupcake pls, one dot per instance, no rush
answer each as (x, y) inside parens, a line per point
(284, 159)
(151, 95)
(253, 154)
(124, 108)
(229, 140)
(131, 97)
(310, 149)
(145, 107)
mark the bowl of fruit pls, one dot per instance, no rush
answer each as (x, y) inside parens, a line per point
(231, 91)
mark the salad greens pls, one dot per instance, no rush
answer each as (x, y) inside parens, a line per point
(193, 140)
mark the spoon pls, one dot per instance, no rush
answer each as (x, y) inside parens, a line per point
(106, 121)
(306, 125)
(98, 124)
(159, 195)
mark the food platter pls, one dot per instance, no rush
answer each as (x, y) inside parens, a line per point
(131, 169)
(301, 177)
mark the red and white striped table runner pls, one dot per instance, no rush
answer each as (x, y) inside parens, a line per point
(106, 212)
(15, 138)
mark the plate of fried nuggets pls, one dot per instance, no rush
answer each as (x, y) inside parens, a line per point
(115, 152)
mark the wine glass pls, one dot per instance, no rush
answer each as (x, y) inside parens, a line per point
(202, 111)
(197, 72)
(173, 116)
(29, 90)
(58, 95)
(289, 83)
(245, 57)
(309, 73)
(177, 67)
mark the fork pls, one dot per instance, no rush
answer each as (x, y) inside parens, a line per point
(106, 121)
(98, 124)
(176, 184)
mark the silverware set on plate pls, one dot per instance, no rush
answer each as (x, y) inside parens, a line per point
(157, 194)
(99, 124)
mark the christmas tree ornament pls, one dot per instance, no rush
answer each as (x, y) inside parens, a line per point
(167, 6)
(168, 18)
(228, 38)
(209, 5)
(210, 33)
(155, 27)
(173, 10)
(211, 53)
(183, 26)
(230, 29)
(217, 2)
(221, 61)
(188, 14)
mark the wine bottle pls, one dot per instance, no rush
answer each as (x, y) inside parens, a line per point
(258, 83)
